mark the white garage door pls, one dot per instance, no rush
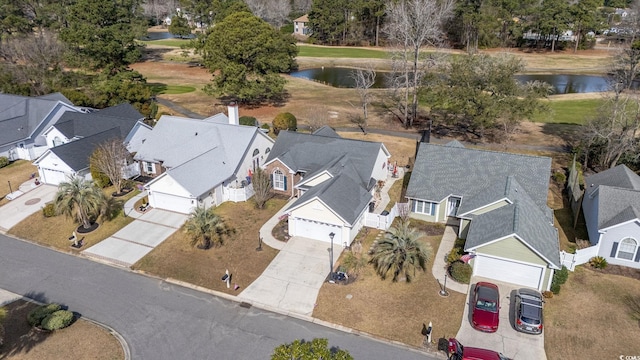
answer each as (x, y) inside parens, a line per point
(171, 202)
(508, 271)
(52, 177)
(316, 230)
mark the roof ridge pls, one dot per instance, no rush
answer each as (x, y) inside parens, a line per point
(516, 217)
(337, 138)
(488, 151)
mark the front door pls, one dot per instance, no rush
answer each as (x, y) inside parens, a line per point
(452, 205)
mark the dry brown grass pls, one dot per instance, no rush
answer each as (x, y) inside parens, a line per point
(81, 340)
(590, 318)
(17, 172)
(176, 258)
(401, 149)
(55, 231)
(395, 311)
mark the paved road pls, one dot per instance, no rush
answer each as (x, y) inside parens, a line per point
(161, 320)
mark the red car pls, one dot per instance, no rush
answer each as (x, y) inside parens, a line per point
(459, 352)
(486, 307)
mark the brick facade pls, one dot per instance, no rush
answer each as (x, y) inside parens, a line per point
(291, 179)
(157, 167)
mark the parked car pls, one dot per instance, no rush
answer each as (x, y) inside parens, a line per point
(529, 311)
(486, 307)
(459, 352)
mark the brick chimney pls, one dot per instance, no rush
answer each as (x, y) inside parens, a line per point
(234, 119)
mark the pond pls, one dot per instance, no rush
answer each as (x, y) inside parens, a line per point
(162, 35)
(562, 83)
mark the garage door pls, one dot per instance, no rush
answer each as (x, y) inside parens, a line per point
(52, 177)
(171, 202)
(317, 230)
(508, 271)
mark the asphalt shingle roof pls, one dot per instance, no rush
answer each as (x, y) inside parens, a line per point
(616, 192)
(76, 153)
(73, 124)
(124, 110)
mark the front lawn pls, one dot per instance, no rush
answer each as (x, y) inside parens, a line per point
(55, 231)
(176, 258)
(395, 311)
(81, 340)
(17, 172)
(591, 319)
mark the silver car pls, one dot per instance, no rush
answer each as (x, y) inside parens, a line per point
(529, 311)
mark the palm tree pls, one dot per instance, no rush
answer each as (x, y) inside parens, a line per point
(79, 198)
(400, 252)
(204, 226)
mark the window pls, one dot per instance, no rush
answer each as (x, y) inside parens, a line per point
(279, 181)
(267, 151)
(57, 141)
(149, 168)
(256, 152)
(424, 207)
(627, 249)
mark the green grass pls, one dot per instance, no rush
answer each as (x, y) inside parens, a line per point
(335, 52)
(159, 88)
(167, 42)
(569, 111)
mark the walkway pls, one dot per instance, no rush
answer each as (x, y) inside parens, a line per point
(18, 209)
(134, 241)
(267, 228)
(384, 193)
(440, 261)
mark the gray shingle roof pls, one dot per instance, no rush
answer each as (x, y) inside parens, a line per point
(527, 222)
(56, 97)
(20, 116)
(198, 154)
(76, 153)
(124, 110)
(73, 124)
(617, 198)
(441, 171)
(326, 131)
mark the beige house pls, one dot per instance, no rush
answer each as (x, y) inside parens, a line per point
(300, 26)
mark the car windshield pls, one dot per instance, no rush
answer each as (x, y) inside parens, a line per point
(531, 321)
(486, 305)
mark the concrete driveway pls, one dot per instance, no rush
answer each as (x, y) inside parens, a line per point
(507, 340)
(20, 208)
(293, 279)
(137, 239)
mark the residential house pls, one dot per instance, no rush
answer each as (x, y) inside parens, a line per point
(611, 206)
(499, 203)
(300, 26)
(74, 137)
(201, 162)
(333, 178)
(23, 120)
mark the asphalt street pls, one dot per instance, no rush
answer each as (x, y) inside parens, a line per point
(165, 321)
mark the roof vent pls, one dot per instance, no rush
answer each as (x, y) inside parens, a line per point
(196, 134)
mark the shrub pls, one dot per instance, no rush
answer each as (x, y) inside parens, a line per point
(49, 210)
(555, 288)
(559, 177)
(454, 255)
(99, 178)
(265, 126)
(57, 320)
(461, 272)
(248, 121)
(284, 121)
(4, 161)
(598, 262)
(35, 316)
(561, 276)
(547, 294)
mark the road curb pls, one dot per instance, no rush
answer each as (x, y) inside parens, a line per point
(109, 329)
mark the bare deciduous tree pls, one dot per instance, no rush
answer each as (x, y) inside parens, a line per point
(316, 116)
(364, 79)
(262, 186)
(34, 59)
(275, 12)
(411, 25)
(110, 158)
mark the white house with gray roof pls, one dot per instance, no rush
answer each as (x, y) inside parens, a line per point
(201, 162)
(23, 121)
(611, 206)
(499, 201)
(334, 180)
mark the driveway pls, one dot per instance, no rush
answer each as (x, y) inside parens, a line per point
(137, 239)
(293, 279)
(20, 208)
(507, 340)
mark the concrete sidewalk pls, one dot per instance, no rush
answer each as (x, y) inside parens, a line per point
(384, 193)
(440, 261)
(22, 207)
(267, 228)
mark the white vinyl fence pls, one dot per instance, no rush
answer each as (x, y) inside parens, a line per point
(383, 222)
(581, 256)
(241, 194)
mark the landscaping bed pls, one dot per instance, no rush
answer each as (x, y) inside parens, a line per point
(81, 340)
(176, 258)
(394, 311)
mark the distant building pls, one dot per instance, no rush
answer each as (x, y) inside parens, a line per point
(300, 26)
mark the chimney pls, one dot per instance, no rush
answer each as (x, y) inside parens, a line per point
(233, 114)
